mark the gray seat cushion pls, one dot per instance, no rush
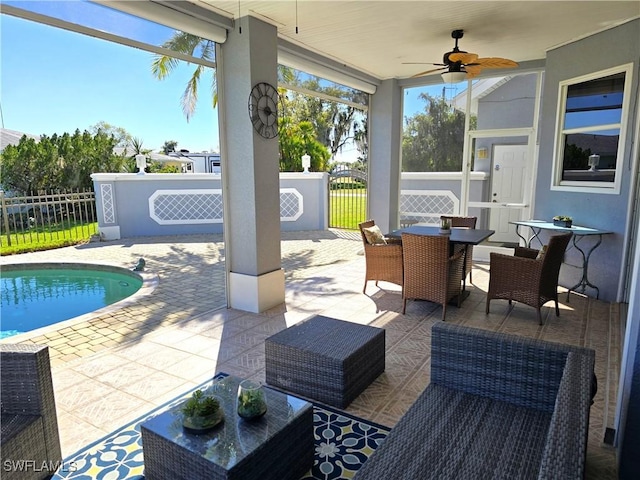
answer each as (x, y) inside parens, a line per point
(470, 437)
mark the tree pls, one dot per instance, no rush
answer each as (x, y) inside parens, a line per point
(169, 146)
(123, 138)
(296, 140)
(575, 158)
(361, 137)
(433, 140)
(58, 162)
(136, 147)
(194, 46)
(335, 123)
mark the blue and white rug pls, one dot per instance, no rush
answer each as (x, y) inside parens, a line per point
(342, 444)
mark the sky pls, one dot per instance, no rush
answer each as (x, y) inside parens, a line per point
(56, 81)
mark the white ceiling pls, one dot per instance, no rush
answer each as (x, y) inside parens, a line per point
(376, 37)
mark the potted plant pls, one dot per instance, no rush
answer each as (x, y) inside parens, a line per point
(201, 412)
(562, 221)
(251, 401)
(445, 226)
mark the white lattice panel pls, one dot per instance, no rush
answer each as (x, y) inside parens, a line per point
(291, 204)
(426, 206)
(184, 207)
(108, 205)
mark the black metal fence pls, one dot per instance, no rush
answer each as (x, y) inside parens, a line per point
(347, 198)
(48, 216)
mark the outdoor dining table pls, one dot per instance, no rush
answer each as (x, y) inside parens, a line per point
(465, 236)
(461, 236)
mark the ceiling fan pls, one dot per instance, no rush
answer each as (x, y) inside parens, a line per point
(459, 64)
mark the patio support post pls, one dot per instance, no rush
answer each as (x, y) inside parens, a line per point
(250, 170)
(385, 117)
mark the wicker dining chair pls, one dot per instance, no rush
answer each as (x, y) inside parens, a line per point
(383, 260)
(465, 222)
(529, 276)
(430, 272)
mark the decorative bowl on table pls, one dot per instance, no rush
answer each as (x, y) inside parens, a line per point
(201, 413)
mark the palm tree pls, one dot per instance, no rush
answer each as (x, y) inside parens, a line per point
(196, 47)
(129, 164)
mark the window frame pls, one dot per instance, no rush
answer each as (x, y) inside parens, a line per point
(558, 151)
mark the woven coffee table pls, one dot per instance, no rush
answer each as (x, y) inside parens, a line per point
(324, 359)
(277, 446)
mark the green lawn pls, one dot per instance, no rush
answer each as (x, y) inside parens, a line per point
(46, 238)
(347, 208)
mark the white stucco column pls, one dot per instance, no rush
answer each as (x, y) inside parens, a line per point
(250, 170)
(385, 127)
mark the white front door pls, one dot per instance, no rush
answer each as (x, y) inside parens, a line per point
(509, 166)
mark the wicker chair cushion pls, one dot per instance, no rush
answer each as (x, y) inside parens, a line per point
(448, 433)
(374, 235)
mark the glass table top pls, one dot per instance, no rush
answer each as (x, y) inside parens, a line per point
(235, 438)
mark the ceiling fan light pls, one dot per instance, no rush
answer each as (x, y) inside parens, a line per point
(453, 77)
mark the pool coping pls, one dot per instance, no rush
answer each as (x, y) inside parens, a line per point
(150, 282)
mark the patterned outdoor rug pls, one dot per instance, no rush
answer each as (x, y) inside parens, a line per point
(342, 444)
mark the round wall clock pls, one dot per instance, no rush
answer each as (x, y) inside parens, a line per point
(263, 109)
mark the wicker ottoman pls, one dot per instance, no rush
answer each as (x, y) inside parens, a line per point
(325, 359)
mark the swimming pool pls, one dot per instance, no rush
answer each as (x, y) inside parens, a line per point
(36, 295)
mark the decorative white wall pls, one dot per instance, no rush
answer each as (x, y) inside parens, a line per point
(133, 205)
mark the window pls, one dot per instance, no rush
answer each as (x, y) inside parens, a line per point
(591, 124)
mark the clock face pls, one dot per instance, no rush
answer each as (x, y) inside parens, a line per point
(263, 109)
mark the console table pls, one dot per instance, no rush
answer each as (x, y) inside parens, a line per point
(277, 446)
(579, 233)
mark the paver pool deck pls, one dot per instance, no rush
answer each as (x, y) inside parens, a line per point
(111, 368)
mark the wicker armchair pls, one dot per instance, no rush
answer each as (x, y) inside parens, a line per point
(383, 262)
(468, 222)
(29, 421)
(527, 278)
(498, 406)
(430, 271)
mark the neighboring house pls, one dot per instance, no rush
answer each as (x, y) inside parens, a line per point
(481, 88)
(203, 162)
(12, 137)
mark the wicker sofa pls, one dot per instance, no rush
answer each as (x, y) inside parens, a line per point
(30, 441)
(498, 406)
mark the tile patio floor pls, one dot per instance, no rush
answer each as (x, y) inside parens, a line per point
(111, 369)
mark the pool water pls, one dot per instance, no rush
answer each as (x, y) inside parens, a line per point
(36, 297)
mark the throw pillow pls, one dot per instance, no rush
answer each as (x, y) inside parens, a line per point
(374, 235)
(541, 253)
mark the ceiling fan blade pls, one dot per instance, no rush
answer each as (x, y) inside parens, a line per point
(495, 62)
(463, 57)
(428, 71)
(423, 63)
(472, 70)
